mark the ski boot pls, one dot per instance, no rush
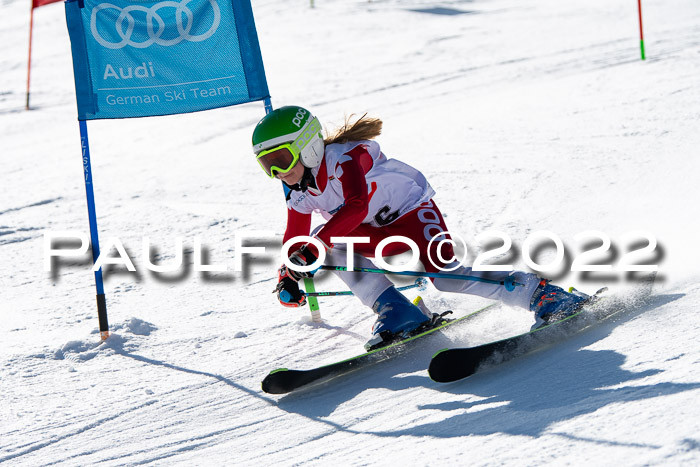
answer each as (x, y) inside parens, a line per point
(551, 303)
(397, 319)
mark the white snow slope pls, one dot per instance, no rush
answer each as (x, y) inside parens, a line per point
(525, 116)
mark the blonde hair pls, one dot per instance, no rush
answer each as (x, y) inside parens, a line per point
(363, 128)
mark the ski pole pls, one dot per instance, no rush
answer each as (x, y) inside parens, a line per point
(420, 283)
(509, 283)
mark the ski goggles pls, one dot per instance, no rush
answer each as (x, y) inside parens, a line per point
(279, 160)
(283, 158)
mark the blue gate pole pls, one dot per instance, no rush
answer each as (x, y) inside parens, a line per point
(94, 239)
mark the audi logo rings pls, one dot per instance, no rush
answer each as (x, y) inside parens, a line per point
(154, 33)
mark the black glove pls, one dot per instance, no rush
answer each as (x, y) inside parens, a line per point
(302, 257)
(288, 292)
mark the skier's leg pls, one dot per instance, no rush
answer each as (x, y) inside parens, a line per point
(366, 287)
(548, 302)
(426, 223)
(397, 316)
(520, 296)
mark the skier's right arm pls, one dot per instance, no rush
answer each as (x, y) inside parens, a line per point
(288, 292)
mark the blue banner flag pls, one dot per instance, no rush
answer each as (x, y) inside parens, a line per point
(147, 58)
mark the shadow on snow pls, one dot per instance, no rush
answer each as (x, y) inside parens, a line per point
(521, 397)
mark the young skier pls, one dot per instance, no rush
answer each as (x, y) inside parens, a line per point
(362, 193)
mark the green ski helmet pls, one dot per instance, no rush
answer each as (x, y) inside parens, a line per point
(293, 128)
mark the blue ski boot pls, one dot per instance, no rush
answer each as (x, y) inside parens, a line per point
(397, 318)
(551, 303)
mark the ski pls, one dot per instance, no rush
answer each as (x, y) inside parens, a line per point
(449, 365)
(283, 380)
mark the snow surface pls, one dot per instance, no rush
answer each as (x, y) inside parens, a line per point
(524, 116)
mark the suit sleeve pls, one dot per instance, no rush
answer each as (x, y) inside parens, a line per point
(350, 171)
(297, 224)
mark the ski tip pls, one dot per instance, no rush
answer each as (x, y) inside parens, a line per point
(441, 378)
(439, 352)
(446, 369)
(271, 388)
(276, 382)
